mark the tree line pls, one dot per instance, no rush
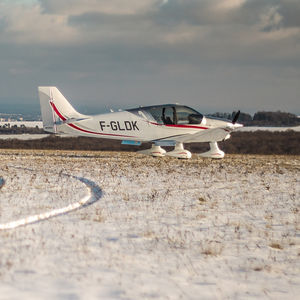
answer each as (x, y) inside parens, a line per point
(263, 118)
(21, 130)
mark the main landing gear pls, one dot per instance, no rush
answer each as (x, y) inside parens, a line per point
(180, 152)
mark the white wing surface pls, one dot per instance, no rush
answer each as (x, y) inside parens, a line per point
(208, 135)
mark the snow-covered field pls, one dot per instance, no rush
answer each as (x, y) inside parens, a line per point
(273, 129)
(148, 228)
(24, 137)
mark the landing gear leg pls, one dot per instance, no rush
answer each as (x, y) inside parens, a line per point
(214, 151)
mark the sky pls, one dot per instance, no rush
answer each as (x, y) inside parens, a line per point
(212, 55)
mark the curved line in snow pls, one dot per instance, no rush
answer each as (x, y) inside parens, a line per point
(94, 194)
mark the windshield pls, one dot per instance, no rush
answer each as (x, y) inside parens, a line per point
(187, 115)
(171, 114)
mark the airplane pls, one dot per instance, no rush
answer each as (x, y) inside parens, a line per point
(162, 125)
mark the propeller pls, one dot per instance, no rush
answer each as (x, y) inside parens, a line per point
(235, 118)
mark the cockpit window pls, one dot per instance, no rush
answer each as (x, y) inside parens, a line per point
(171, 114)
(187, 115)
(156, 112)
(163, 114)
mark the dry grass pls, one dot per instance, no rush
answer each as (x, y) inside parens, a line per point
(275, 245)
(212, 248)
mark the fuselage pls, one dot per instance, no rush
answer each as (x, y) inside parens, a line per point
(141, 124)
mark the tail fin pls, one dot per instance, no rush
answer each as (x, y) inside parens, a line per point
(55, 108)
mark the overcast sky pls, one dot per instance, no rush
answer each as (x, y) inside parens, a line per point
(213, 55)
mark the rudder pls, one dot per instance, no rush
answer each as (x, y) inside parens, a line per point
(55, 108)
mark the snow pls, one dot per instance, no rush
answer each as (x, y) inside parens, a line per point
(24, 137)
(158, 229)
(256, 128)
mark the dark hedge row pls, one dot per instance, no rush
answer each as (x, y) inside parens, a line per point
(259, 142)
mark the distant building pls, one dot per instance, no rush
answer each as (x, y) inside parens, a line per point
(27, 124)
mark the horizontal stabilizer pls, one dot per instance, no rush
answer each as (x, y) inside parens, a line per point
(72, 120)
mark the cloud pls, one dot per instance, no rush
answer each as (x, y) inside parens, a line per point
(159, 44)
(118, 7)
(172, 23)
(290, 12)
(271, 20)
(26, 24)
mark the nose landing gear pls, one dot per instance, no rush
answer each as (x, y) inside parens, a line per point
(214, 151)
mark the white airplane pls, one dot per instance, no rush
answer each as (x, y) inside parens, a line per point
(163, 125)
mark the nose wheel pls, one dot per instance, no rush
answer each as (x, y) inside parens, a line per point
(214, 151)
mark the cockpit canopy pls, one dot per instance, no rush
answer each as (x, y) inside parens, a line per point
(170, 114)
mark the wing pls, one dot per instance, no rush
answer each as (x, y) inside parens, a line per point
(207, 135)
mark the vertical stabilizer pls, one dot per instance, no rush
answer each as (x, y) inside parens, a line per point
(55, 108)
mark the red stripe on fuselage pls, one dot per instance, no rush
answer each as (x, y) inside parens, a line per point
(186, 126)
(179, 126)
(83, 130)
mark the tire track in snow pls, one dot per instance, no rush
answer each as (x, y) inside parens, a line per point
(94, 194)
